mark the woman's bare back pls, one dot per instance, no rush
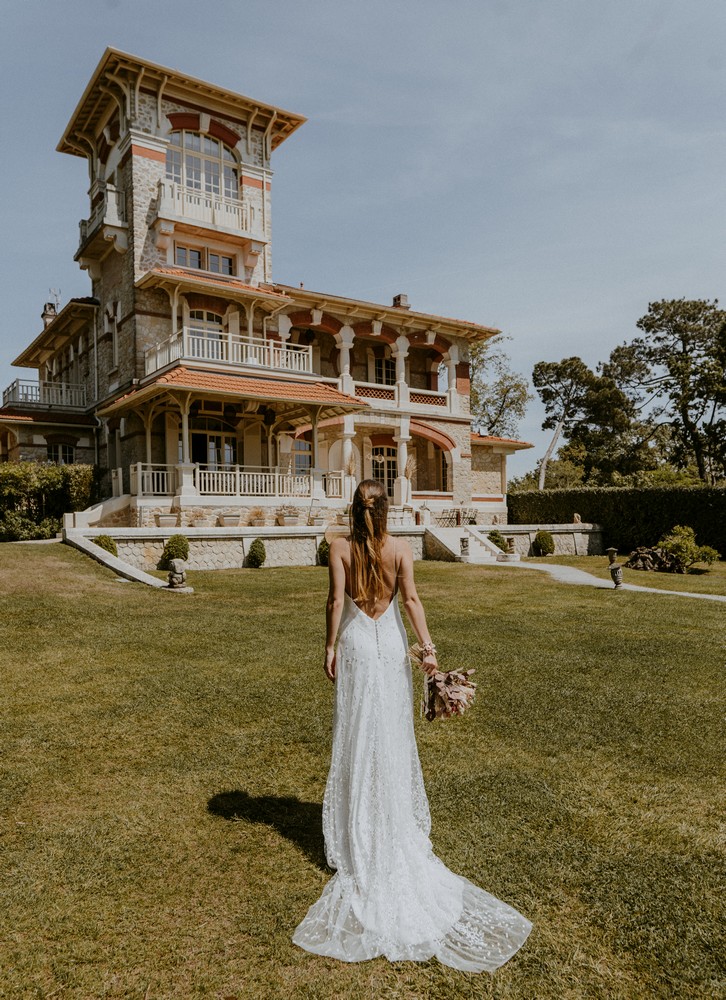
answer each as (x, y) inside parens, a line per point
(389, 565)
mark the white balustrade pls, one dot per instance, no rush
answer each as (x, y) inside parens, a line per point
(45, 394)
(152, 480)
(333, 485)
(203, 206)
(229, 349)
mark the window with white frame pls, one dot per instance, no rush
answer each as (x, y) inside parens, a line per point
(61, 454)
(384, 371)
(385, 466)
(302, 455)
(206, 335)
(202, 163)
(203, 260)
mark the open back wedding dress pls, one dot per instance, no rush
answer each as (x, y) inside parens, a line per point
(391, 895)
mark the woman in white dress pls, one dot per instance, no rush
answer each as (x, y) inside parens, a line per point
(390, 895)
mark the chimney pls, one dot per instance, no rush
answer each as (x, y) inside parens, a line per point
(49, 313)
(401, 301)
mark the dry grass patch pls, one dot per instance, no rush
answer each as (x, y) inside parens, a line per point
(164, 758)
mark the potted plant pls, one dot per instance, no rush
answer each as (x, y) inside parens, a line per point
(287, 515)
(166, 520)
(228, 520)
(256, 517)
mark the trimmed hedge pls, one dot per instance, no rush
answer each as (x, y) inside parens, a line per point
(177, 547)
(107, 543)
(629, 516)
(256, 555)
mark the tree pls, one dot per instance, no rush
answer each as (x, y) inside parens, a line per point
(499, 396)
(676, 372)
(562, 386)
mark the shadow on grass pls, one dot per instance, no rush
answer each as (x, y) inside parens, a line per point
(300, 822)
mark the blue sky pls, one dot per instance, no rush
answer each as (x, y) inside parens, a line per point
(544, 166)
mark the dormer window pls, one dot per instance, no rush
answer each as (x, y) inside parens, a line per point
(201, 163)
(203, 260)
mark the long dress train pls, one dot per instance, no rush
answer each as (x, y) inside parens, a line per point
(391, 895)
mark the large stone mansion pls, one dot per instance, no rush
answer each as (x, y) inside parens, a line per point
(198, 381)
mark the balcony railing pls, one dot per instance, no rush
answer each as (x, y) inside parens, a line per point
(233, 481)
(111, 211)
(212, 209)
(390, 396)
(25, 393)
(229, 349)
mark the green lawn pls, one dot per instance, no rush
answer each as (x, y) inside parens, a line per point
(701, 580)
(164, 758)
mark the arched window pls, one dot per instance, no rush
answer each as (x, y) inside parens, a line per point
(201, 163)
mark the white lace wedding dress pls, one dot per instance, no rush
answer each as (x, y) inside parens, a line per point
(391, 895)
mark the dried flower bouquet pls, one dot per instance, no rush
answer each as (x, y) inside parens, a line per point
(445, 694)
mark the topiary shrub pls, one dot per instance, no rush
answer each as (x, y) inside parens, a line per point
(680, 543)
(256, 555)
(323, 553)
(107, 543)
(499, 540)
(543, 544)
(177, 547)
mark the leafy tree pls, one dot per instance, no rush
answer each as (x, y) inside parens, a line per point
(562, 386)
(676, 371)
(499, 396)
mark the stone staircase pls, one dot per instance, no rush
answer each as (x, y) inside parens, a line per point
(445, 544)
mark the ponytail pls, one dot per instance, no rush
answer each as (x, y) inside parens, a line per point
(368, 523)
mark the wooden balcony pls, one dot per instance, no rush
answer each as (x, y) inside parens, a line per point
(62, 394)
(229, 349)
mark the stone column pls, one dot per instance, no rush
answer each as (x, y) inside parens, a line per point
(401, 488)
(400, 353)
(348, 435)
(344, 340)
(451, 360)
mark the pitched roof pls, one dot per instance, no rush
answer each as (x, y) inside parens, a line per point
(55, 416)
(206, 279)
(490, 439)
(314, 393)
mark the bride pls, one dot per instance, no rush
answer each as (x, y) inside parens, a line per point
(390, 895)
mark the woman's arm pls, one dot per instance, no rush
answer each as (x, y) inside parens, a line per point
(334, 605)
(412, 604)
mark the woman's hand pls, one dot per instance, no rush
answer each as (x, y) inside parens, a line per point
(429, 664)
(329, 664)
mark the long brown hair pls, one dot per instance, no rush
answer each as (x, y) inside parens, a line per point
(368, 522)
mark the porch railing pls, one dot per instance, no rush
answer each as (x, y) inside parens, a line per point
(231, 349)
(233, 481)
(45, 394)
(152, 480)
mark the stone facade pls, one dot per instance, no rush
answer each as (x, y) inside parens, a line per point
(188, 360)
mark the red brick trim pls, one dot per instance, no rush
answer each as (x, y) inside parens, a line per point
(254, 182)
(183, 119)
(382, 441)
(304, 318)
(220, 131)
(463, 380)
(498, 499)
(429, 434)
(149, 154)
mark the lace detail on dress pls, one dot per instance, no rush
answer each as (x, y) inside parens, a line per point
(391, 895)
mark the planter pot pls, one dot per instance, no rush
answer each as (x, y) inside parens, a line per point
(286, 521)
(343, 519)
(166, 520)
(317, 522)
(257, 522)
(228, 520)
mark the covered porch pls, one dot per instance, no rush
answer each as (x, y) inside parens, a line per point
(189, 434)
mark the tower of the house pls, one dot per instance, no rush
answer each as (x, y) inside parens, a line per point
(180, 176)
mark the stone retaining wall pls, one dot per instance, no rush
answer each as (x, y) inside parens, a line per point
(569, 539)
(227, 548)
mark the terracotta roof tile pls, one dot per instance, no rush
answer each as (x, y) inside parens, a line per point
(259, 388)
(491, 439)
(222, 280)
(56, 416)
